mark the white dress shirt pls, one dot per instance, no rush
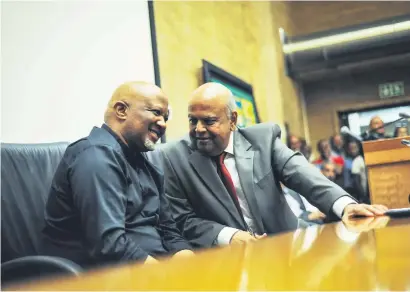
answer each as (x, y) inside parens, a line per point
(225, 235)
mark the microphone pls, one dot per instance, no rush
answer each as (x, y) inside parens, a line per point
(404, 116)
(346, 130)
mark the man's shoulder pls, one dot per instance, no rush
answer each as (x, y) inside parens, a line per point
(262, 128)
(97, 142)
(261, 134)
(177, 147)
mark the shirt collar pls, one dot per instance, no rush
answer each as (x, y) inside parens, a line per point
(229, 148)
(131, 155)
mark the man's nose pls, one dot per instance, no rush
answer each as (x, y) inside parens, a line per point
(200, 127)
(161, 122)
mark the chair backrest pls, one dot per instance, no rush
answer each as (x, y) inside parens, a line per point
(26, 174)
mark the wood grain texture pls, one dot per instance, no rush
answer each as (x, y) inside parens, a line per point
(387, 157)
(388, 164)
(318, 258)
(384, 144)
(389, 184)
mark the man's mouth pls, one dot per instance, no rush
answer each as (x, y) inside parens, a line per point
(155, 133)
(202, 138)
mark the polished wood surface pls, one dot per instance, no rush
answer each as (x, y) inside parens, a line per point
(363, 254)
(388, 164)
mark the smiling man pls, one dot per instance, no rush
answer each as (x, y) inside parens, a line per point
(223, 182)
(107, 202)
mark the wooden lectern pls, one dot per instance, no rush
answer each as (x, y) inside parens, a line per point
(388, 166)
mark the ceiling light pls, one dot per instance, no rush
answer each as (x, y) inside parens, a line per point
(346, 37)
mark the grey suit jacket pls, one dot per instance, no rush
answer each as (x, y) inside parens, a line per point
(201, 204)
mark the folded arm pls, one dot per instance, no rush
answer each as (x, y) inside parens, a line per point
(172, 238)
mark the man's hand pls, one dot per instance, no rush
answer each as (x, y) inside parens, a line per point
(183, 253)
(243, 237)
(260, 236)
(359, 225)
(356, 210)
(150, 260)
(317, 215)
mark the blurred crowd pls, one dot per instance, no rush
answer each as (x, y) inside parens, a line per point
(340, 158)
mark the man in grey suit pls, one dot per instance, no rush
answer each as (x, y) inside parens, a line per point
(223, 183)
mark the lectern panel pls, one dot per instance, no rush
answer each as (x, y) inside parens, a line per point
(388, 165)
(390, 184)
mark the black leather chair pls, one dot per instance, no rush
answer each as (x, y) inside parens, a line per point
(26, 174)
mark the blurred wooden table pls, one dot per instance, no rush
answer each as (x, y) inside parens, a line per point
(366, 254)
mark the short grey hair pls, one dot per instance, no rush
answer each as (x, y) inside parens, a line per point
(231, 106)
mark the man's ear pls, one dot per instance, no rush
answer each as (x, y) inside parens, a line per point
(234, 120)
(121, 110)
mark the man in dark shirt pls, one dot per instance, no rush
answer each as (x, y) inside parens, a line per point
(107, 202)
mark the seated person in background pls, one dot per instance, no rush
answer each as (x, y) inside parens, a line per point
(359, 176)
(223, 182)
(302, 208)
(376, 130)
(326, 155)
(306, 150)
(294, 142)
(107, 203)
(401, 131)
(337, 145)
(299, 144)
(355, 173)
(351, 147)
(328, 169)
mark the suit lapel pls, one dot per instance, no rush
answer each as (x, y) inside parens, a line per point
(206, 170)
(244, 157)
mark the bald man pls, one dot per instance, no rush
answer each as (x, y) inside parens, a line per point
(376, 130)
(107, 203)
(224, 183)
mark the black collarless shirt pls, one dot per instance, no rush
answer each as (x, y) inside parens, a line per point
(107, 204)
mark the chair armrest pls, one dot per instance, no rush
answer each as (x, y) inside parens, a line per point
(32, 267)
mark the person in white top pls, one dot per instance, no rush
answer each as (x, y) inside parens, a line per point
(359, 172)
